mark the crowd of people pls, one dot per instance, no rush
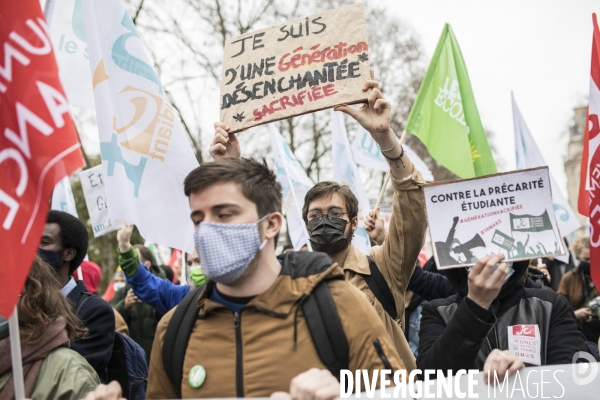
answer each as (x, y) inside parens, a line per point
(254, 323)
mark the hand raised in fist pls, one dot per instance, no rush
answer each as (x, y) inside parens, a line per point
(124, 236)
(375, 227)
(224, 144)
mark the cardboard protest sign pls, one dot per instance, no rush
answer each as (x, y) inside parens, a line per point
(509, 213)
(92, 183)
(300, 66)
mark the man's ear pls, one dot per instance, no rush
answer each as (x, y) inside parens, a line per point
(273, 225)
(148, 264)
(69, 254)
(354, 224)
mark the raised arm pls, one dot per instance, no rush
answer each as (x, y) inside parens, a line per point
(159, 293)
(398, 254)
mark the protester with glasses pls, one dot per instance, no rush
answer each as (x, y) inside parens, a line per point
(331, 215)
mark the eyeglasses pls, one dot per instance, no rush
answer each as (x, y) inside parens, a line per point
(318, 214)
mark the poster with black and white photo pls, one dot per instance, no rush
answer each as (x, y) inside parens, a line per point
(510, 213)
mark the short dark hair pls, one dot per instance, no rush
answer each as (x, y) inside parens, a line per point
(328, 188)
(256, 180)
(145, 254)
(73, 235)
(168, 272)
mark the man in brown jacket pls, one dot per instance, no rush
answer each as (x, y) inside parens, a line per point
(397, 256)
(251, 337)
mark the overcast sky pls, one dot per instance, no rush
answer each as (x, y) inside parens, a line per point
(539, 49)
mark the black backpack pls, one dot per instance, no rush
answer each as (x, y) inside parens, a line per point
(321, 316)
(127, 364)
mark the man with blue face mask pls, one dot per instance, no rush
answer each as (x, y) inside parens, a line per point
(250, 335)
(492, 315)
(330, 212)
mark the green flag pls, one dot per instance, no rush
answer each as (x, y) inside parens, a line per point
(530, 223)
(445, 115)
(503, 240)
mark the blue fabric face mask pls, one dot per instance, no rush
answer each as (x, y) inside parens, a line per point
(226, 250)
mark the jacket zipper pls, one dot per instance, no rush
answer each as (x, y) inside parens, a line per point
(381, 354)
(489, 344)
(239, 369)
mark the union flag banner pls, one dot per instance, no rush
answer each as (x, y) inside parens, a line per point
(589, 189)
(530, 223)
(38, 141)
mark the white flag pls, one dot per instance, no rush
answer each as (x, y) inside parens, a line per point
(295, 183)
(62, 197)
(367, 154)
(145, 153)
(345, 172)
(65, 18)
(529, 156)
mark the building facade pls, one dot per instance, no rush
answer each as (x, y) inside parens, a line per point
(573, 161)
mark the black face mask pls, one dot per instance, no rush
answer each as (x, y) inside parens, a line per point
(327, 235)
(51, 258)
(585, 267)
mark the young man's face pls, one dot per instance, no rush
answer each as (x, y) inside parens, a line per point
(222, 203)
(331, 203)
(51, 239)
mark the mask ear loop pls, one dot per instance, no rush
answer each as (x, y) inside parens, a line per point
(264, 243)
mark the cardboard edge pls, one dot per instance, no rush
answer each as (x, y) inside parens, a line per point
(437, 183)
(290, 21)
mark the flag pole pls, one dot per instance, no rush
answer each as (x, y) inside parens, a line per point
(387, 178)
(15, 352)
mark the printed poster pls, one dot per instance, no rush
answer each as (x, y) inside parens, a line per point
(510, 213)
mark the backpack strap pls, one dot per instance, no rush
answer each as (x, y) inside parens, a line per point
(326, 329)
(177, 335)
(81, 301)
(380, 289)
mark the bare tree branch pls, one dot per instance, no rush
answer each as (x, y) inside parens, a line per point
(138, 11)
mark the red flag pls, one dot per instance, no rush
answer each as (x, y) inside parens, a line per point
(589, 188)
(175, 263)
(38, 141)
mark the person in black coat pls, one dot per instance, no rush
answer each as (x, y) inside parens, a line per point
(470, 330)
(64, 246)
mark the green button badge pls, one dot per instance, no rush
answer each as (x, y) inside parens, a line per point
(197, 376)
